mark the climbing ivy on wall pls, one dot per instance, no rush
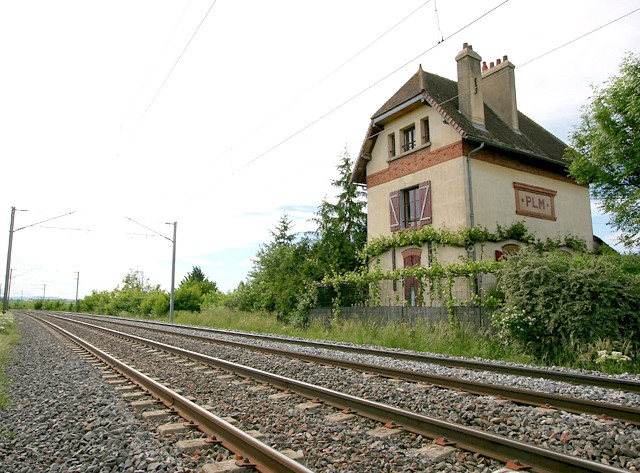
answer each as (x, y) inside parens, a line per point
(465, 237)
(437, 279)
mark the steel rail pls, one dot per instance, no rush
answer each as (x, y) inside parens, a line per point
(466, 438)
(518, 395)
(529, 371)
(260, 456)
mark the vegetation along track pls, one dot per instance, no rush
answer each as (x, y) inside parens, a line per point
(496, 446)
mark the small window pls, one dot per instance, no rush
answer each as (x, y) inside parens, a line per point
(506, 250)
(426, 134)
(510, 248)
(392, 144)
(409, 138)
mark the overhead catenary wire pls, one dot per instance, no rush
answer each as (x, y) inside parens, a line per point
(178, 59)
(153, 68)
(333, 110)
(455, 96)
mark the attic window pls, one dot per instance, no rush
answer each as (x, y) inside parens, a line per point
(391, 140)
(408, 138)
(426, 133)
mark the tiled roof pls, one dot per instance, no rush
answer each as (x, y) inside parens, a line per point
(532, 141)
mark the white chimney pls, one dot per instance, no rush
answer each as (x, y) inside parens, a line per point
(499, 88)
(470, 99)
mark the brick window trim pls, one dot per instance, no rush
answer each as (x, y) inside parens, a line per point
(412, 252)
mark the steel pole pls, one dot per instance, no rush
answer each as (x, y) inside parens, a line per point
(5, 300)
(173, 273)
(77, 285)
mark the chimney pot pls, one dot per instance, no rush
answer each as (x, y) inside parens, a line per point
(499, 91)
(484, 66)
(470, 101)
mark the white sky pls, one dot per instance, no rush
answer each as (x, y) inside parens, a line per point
(241, 131)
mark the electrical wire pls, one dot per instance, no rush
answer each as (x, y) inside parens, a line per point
(177, 60)
(155, 64)
(365, 90)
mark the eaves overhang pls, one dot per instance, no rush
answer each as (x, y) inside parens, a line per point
(515, 151)
(400, 109)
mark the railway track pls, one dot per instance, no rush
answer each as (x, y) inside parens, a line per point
(475, 440)
(253, 453)
(584, 379)
(515, 394)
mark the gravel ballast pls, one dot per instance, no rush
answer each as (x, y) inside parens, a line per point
(606, 441)
(39, 436)
(65, 418)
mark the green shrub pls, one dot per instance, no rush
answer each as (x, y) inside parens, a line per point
(555, 302)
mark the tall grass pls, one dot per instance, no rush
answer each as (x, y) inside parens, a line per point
(9, 336)
(432, 337)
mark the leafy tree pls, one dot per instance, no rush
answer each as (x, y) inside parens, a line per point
(606, 149)
(136, 279)
(192, 290)
(284, 267)
(155, 302)
(342, 226)
(188, 297)
(278, 273)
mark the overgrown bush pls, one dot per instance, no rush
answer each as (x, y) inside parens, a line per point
(555, 302)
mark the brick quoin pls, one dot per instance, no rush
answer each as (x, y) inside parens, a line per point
(416, 161)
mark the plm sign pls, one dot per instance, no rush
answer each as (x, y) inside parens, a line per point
(534, 201)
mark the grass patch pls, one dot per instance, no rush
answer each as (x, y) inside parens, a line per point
(9, 336)
(439, 337)
(434, 338)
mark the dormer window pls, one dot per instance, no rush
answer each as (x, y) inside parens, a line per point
(426, 134)
(408, 138)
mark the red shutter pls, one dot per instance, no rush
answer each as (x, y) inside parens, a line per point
(394, 211)
(424, 196)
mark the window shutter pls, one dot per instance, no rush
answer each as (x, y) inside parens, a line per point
(394, 211)
(424, 195)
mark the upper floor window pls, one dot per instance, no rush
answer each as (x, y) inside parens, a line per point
(409, 138)
(411, 203)
(426, 134)
(391, 139)
(410, 207)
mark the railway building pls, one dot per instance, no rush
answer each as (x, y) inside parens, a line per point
(458, 154)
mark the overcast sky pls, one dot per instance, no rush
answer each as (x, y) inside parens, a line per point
(224, 115)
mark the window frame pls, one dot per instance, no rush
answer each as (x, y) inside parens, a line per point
(407, 145)
(391, 145)
(425, 131)
(400, 201)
